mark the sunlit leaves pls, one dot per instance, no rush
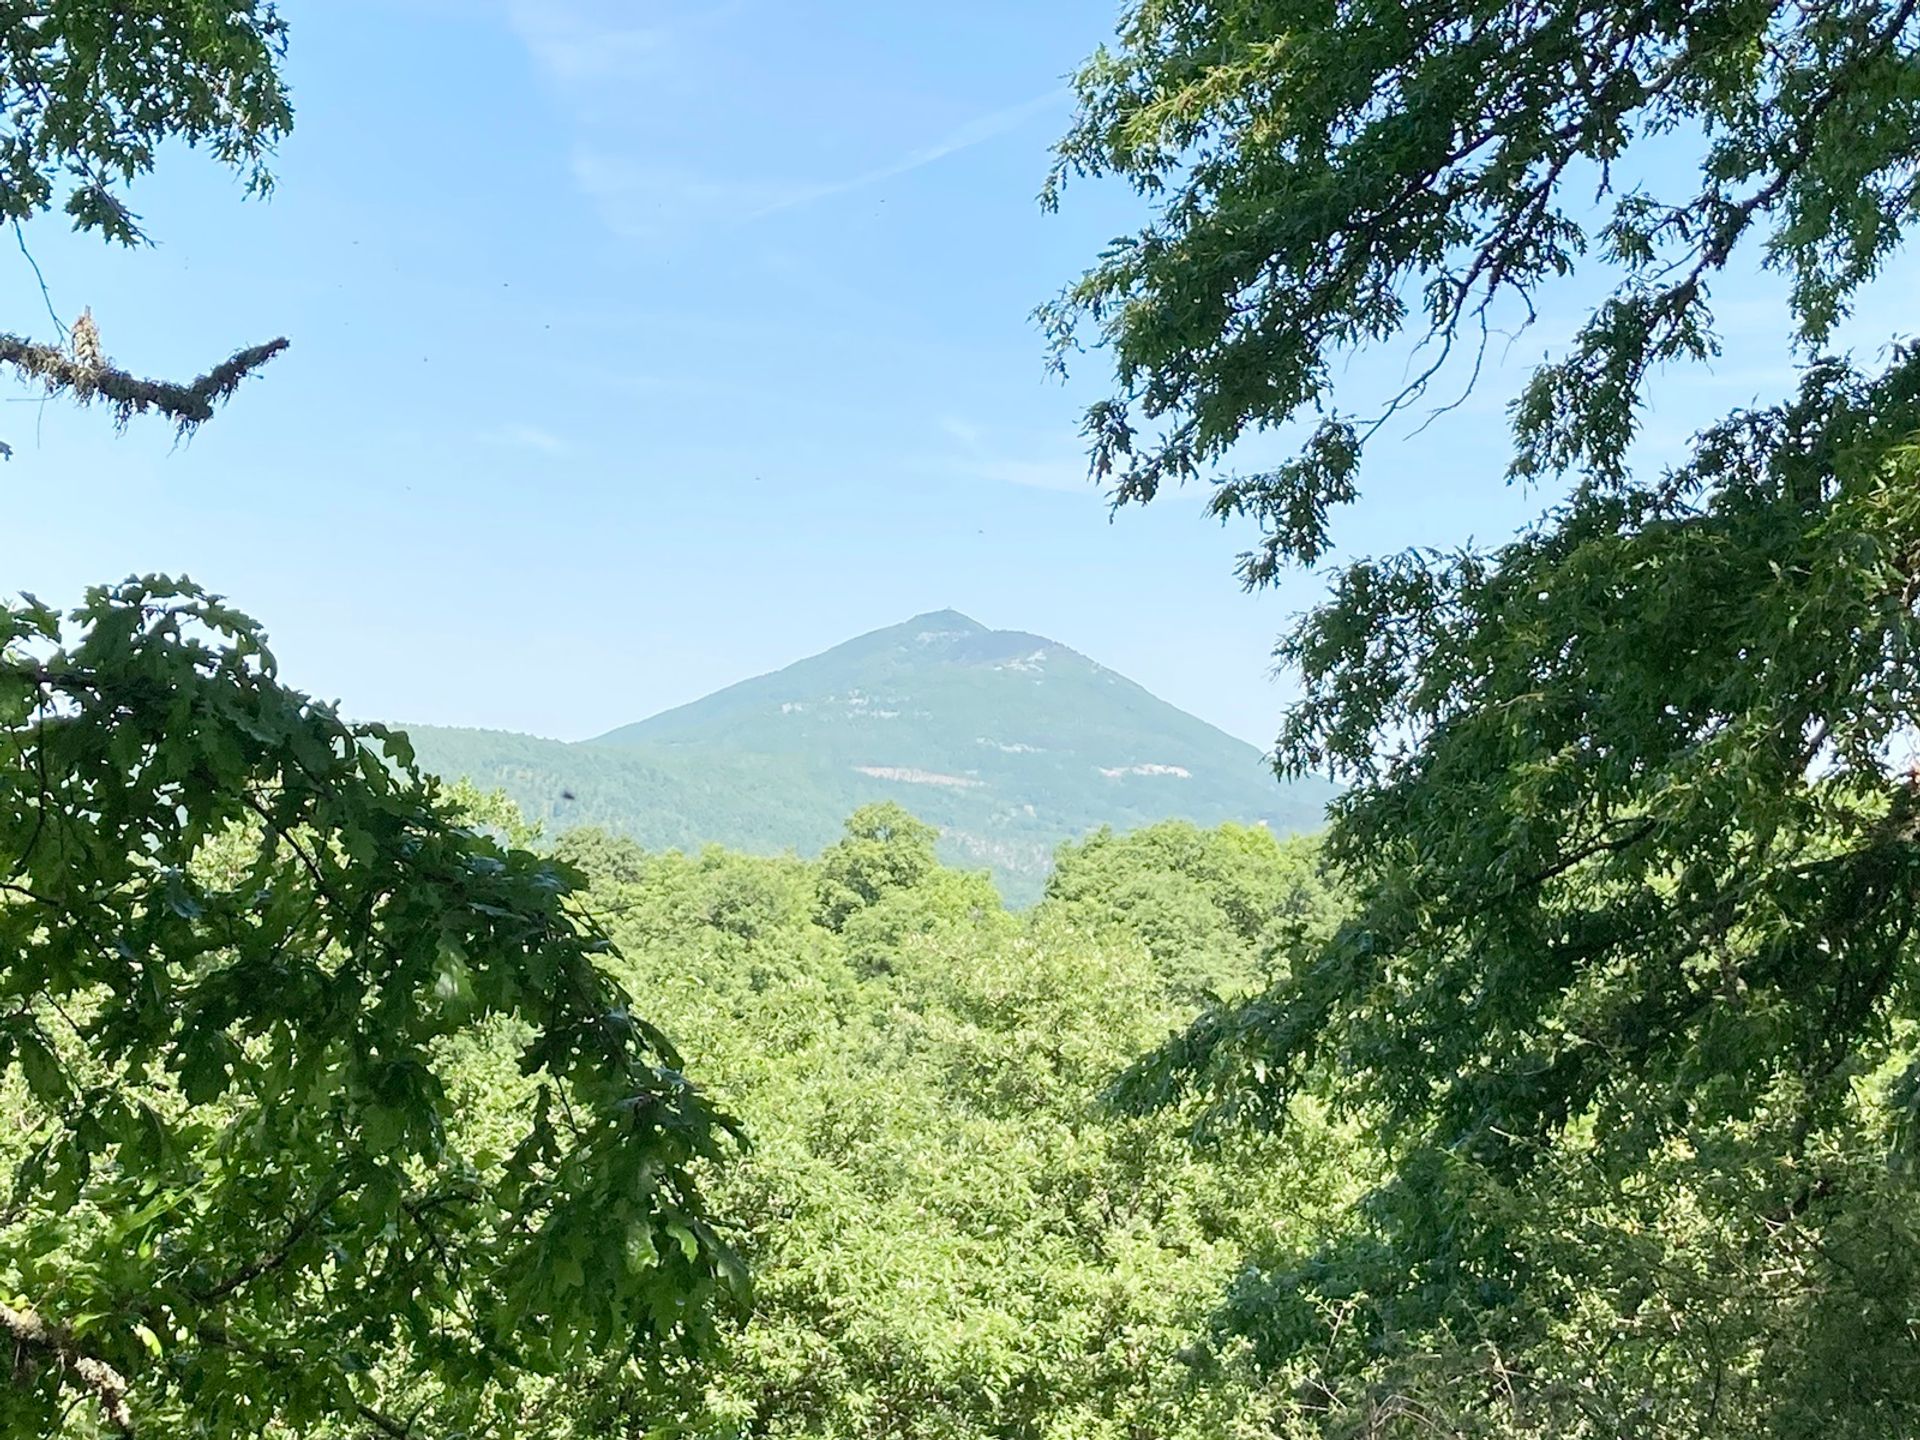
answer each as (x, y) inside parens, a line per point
(252, 963)
(952, 1237)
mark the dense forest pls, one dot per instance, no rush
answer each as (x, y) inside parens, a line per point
(949, 1233)
(1567, 1085)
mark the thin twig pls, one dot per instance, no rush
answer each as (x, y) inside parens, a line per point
(45, 295)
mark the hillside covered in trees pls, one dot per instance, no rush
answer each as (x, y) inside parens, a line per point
(950, 1234)
(1008, 743)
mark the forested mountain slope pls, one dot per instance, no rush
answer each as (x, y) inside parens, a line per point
(1008, 742)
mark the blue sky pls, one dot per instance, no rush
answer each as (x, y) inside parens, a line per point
(641, 347)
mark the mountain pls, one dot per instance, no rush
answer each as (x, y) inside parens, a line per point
(1009, 742)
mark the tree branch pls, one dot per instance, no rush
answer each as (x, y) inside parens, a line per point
(255, 1269)
(107, 1384)
(187, 405)
(385, 1424)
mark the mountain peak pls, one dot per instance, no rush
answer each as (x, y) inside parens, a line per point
(1007, 741)
(946, 620)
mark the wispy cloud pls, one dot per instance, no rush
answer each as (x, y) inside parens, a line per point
(1066, 474)
(640, 198)
(976, 131)
(524, 437)
(967, 434)
(631, 93)
(1053, 465)
(614, 65)
(571, 47)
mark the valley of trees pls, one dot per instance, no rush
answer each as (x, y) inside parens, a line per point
(949, 1233)
(1568, 1086)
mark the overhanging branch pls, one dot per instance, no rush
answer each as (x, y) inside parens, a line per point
(109, 1387)
(61, 371)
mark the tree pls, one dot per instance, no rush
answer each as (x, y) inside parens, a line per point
(259, 979)
(91, 90)
(885, 849)
(951, 1237)
(325, 1113)
(1629, 989)
(1212, 906)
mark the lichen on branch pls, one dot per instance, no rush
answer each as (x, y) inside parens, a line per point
(62, 371)
(32, 1334)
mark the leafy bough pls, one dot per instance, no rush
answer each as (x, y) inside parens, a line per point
(326, 1106)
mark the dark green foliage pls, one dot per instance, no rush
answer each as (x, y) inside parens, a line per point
(256, 975)
(93, 88)
(1324, 178)
(1628, 990)
(1684, 710)
(1007, 743)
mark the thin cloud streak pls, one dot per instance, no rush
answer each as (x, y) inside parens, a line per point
(570, 51)
(642, 201)
(1064, 470)
(1067, 477)
(977, 131)
(604, 70)
(525, 437)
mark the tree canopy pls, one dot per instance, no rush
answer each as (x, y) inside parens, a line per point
(951, 1235)
(1628, 984)
(327, 1104)
(1324, 179)
(326, 1113)
(92, 90)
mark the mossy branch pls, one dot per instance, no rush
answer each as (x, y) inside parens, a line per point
(31, 1333)
(62, 371)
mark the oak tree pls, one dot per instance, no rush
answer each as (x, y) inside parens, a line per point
(1629, 990)
(325, 1113)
